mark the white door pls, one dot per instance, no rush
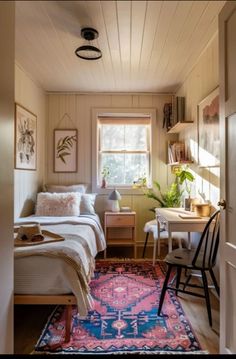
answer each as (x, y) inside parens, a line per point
(227, 50)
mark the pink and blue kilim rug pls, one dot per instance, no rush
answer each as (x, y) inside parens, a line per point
(124, 318)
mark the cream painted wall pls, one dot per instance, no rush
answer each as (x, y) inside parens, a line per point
(75, 111)
(27, 183)
(7, 41)
(200, 82)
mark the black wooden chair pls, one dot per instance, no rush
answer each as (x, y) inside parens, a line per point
(202, 258)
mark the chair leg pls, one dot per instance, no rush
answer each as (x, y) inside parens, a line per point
(214, 281)
(205, 285)
(187, 281)
(179, 269)
(145, 244)
(163, 292)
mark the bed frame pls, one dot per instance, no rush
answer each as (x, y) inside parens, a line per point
(67, 299)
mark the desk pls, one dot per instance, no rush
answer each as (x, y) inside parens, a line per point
(174, 223)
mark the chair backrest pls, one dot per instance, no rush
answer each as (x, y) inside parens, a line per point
(206, 251)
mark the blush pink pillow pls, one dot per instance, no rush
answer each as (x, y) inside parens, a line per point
(58, 204)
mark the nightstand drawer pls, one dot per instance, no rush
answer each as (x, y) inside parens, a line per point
(122, 220)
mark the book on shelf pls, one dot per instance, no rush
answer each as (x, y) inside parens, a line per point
(176, 152)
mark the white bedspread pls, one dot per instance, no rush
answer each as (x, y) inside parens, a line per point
(70, 263)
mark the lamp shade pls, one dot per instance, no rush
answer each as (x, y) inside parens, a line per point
(115, 195)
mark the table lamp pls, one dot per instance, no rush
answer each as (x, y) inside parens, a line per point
(115, 197)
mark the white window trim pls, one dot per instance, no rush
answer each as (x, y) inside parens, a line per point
(98, 112)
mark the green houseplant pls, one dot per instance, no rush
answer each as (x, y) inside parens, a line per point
(169, 198)
(185, 177)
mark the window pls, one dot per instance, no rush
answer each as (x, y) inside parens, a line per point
(124, 148)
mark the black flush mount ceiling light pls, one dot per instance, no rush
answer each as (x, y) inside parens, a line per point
(89, 52)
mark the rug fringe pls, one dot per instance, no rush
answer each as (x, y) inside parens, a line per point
(198, 352)
(118, 259)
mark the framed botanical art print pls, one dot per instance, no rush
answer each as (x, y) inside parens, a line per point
(65, 150)
(25, 138)
(208, 131)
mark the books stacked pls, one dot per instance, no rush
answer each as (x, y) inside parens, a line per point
(180, 109)
(125, 209)
(176, 152)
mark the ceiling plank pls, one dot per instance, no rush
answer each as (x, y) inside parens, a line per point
(139, 10)
(111, 28)
(206, 28)
(175, 33)
(167, 14)
(124, 34)
(175, 61)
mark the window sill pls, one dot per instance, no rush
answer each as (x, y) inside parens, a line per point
(121, 190)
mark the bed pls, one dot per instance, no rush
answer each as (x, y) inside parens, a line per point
(60, 272)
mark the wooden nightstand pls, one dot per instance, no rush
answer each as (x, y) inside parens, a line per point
(120, 229)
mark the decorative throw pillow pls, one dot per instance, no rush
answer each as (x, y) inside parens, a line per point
(87, 203)
(81, 188)
(58, 204)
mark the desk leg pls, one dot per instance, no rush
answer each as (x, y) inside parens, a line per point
(156, 242)
(189, 240)
(158, 239)
(169, 241)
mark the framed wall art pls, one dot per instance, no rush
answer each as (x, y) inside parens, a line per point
(25, 138)
(65, 150)
(208, 131)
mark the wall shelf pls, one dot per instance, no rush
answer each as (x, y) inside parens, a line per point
(179, 126)
(179, 163)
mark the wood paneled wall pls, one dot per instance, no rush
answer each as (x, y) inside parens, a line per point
(200, 82)
(75, 111)
(28, 183)
(7, 41)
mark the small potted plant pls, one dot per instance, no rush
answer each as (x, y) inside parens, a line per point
(105, 174)
(186, 177)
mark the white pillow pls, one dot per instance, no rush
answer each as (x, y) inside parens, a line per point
(87, 203)
(58, 204)
(81, 188)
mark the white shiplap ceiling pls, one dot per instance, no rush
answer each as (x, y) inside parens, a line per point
(147, 46)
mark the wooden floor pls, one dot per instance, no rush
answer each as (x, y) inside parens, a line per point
(31, 319)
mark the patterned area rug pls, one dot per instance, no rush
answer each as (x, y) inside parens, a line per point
(124, 318)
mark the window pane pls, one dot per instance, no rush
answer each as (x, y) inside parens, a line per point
(136, 166)
(112, 137)
(125, 168)
(136, 137)
(115, 163)
(124, 137)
